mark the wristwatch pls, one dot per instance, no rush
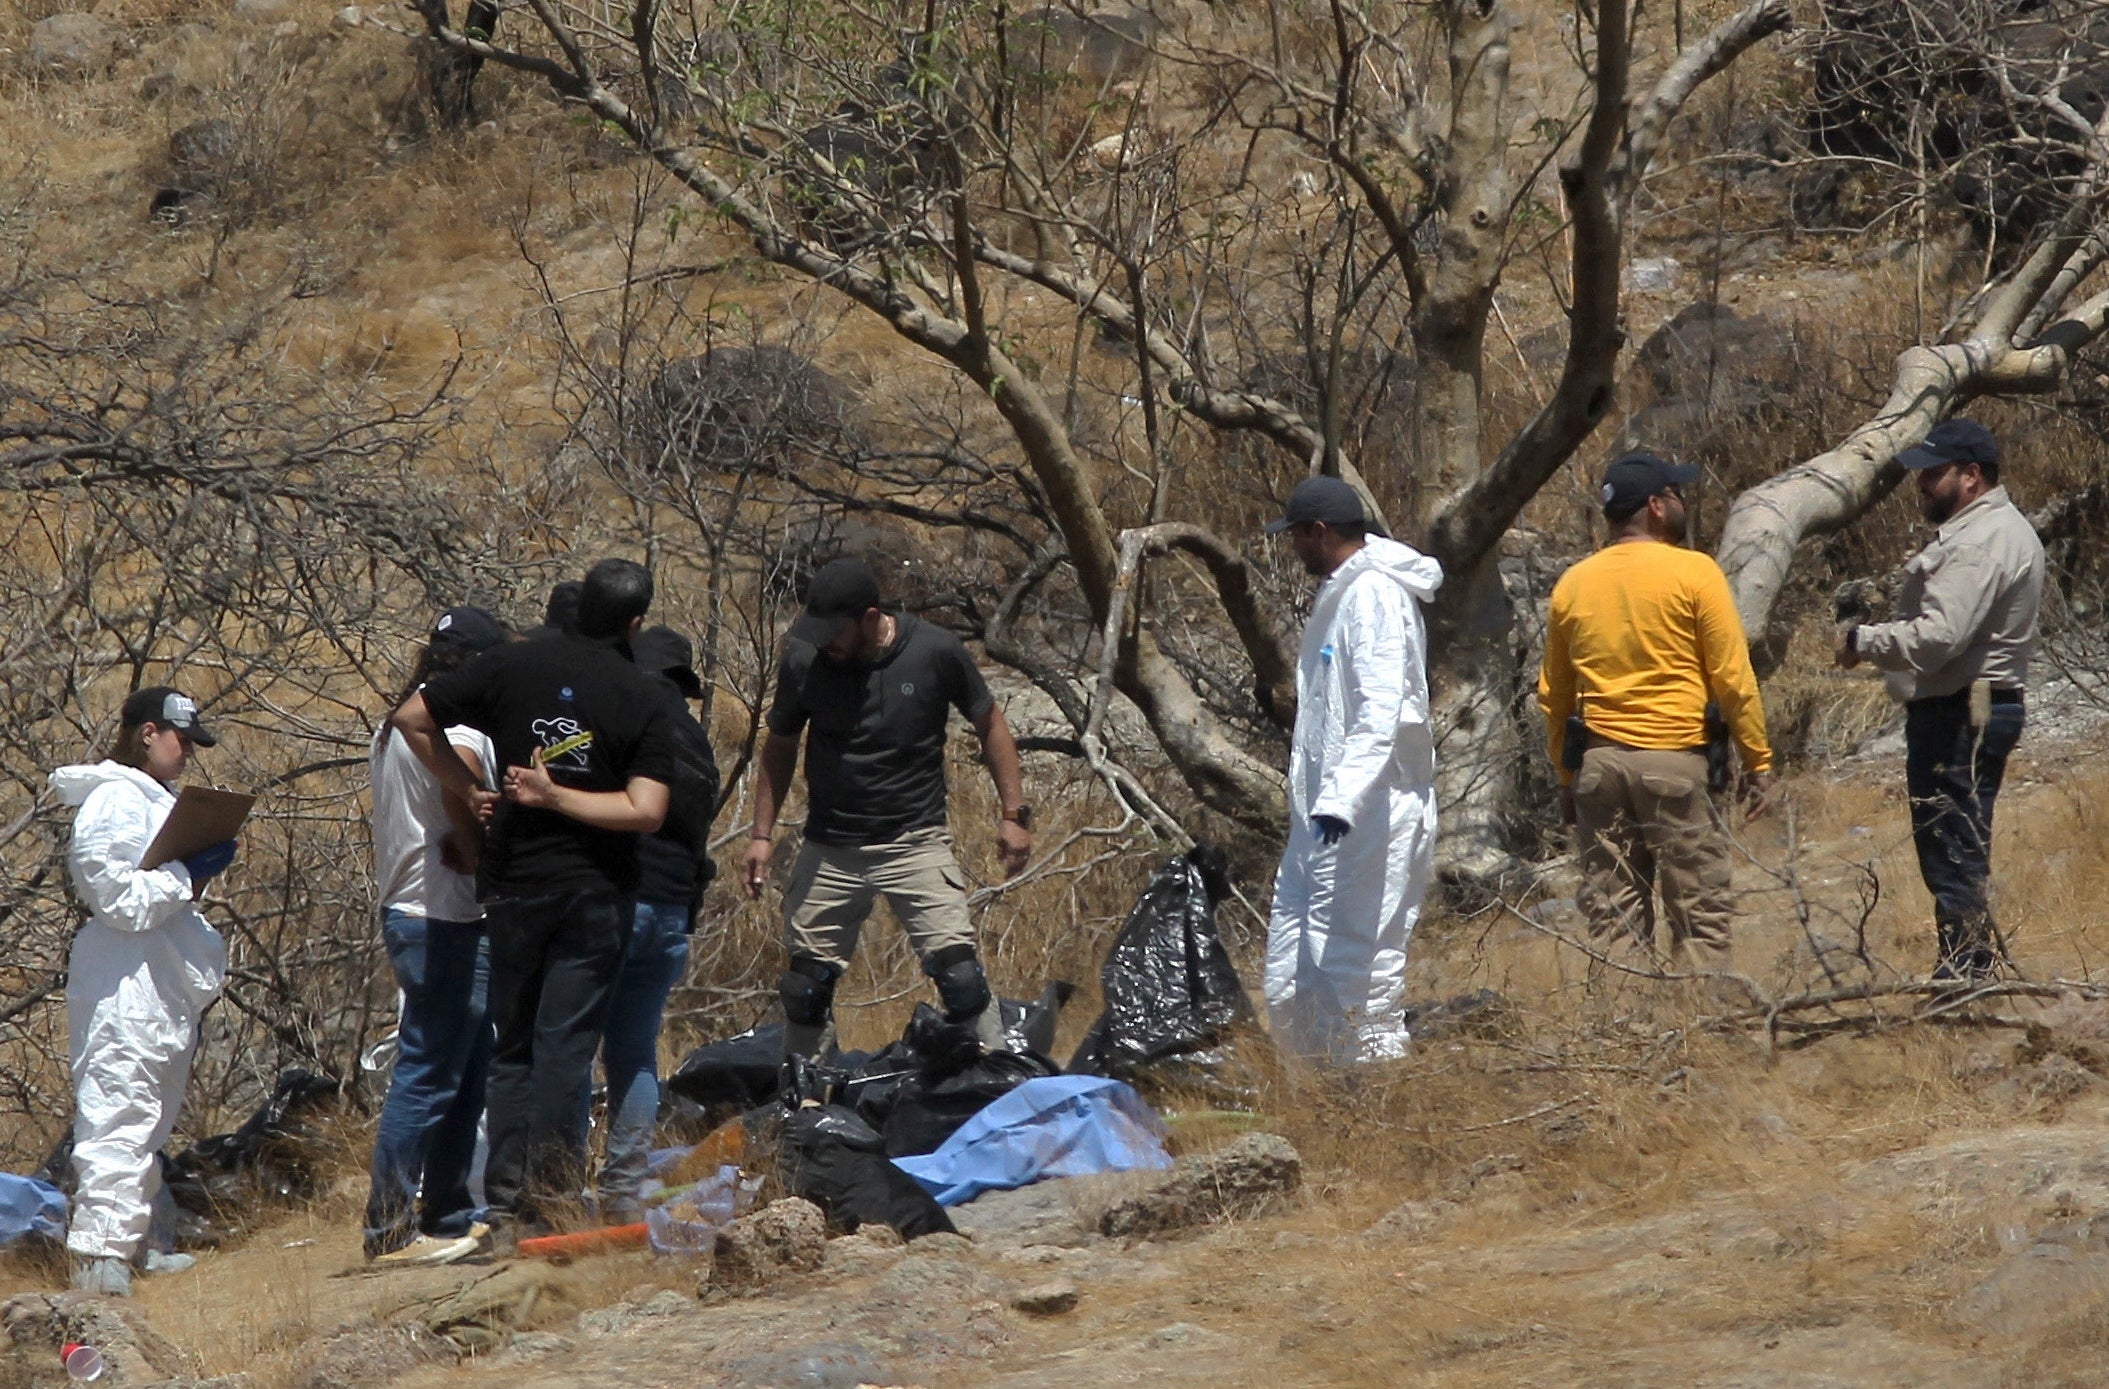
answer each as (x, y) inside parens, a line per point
(1022, 817)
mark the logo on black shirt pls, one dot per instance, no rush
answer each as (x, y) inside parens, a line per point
(562, 738)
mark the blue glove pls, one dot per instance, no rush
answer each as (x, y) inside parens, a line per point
(209, 862)
(1330, 829)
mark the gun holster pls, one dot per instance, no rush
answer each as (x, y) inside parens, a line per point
(1574, 744)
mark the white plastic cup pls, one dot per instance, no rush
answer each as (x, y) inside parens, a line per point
(83, 1363)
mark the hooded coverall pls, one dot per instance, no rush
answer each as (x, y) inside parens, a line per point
(1363, 753)
(143, 967)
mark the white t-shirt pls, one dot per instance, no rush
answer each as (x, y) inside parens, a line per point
(410, 819)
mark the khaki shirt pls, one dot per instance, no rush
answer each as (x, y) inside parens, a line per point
(1968, 607)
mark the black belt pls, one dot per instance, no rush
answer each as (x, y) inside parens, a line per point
(1962, 696)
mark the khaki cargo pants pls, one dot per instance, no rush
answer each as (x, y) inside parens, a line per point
(834, 887)
(1644, 819)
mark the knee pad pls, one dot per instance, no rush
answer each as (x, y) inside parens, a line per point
(807, 989)
(961, 986)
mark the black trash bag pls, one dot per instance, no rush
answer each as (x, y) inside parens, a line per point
(1173, 999)
(734, 1074)
(952, 1082)
(1031, 1026)
(274, 1153)
(836, 1160)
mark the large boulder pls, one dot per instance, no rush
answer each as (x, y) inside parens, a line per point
(1247, 1178)
(1708, 376)
(74, 44)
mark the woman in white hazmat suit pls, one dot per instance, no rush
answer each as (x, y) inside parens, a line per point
(1361, 844)
(143, 967)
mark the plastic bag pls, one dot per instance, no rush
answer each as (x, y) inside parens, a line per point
(953, 1081)
(836, 1160)
(1051, 1126)
(29, 1206)
(1173, 999)
(686, 1219)
(731, 1075)
(273, 1153)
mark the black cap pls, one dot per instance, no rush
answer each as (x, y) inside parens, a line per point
(1634, 477)
(843, 590)
(664, 651)
(170, 708)
(1326, 499)
(473, 629)
(1953, 441)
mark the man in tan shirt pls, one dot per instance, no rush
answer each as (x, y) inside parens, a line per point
(1640, 637)
(1957, 658)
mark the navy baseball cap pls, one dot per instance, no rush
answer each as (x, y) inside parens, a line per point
(472, 628)
(1952, 441)
(843, 591)
(1635, 477)
(1326, 499)
(170, 708)
(664, 651)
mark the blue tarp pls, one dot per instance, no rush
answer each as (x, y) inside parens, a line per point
(30, 1207)
(1051, 1126)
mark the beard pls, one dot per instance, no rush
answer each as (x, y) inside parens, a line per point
(1936, 510)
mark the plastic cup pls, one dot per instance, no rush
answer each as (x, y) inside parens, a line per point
(83, 1363)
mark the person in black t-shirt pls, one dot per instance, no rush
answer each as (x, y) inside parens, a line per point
(583, 738)
(871, 692)
(673, 868)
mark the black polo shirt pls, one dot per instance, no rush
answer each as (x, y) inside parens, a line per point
(674, 864)
(875, 744)
(598, 721)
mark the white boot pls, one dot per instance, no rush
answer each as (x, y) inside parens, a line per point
(102, 1273)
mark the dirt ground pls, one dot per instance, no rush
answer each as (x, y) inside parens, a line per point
(1600, 1183)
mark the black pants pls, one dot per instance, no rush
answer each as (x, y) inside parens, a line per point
(554, 963)
(1953, 772)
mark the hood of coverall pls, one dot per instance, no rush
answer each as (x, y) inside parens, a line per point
(74, 784)
(1402, 564)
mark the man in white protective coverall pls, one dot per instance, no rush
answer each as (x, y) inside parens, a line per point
(143, 967)
(1361, 788)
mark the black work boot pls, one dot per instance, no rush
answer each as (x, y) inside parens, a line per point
(1966, 952)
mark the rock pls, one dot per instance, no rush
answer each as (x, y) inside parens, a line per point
(1413, 1220)
(854, 1254)
(202, 154)
(350, 17)
(374, 1355)
(1247, 1177)
(943, 1243)
(1047, 1299)
(1652, 274)
(257, 9)
(37, 1324)
(782, 1238)
(537, 1345)
(74, 44)
(1106, 46)
(2036, 1289)
(822, 1365)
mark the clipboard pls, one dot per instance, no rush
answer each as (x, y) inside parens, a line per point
(202, 818)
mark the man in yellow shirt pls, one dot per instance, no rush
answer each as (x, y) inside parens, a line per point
(1641, 636)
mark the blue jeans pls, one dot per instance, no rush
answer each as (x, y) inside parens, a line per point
(1953, 772)
(426, 1141)
(656, 961)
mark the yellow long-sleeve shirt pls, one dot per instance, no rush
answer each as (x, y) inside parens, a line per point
(1644, 634)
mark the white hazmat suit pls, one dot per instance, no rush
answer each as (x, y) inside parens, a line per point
(143, 967)
(1364, 753)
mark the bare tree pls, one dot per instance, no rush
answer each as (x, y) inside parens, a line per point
(930, 165)
(2018, 330)
(183, 506)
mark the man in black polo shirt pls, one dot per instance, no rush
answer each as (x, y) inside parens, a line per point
(872, 691)
(583, 738)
